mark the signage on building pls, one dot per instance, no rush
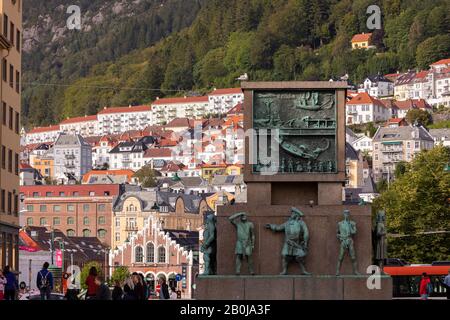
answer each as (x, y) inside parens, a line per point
(58, 257)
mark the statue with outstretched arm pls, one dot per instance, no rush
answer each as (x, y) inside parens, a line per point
(296, 237)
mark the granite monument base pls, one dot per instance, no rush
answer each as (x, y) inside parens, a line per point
(291, 287)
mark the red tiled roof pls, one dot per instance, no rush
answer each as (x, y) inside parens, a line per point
(361, 37)
(179, 122)
(442, 61)
(172, 167)
(158, 153)
(45, 129)
(180, 100)
(421, 74)
(125, 109)
(225, 91)
(79, 119)
(23, 165)
(128, 173)
(365, 98)
(411, 103)
(239, 108)
(168, 143)
(395, 120)
(82, 189)
(391, 75)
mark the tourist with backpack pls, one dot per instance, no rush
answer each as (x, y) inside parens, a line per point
(425, 287)
(45, 282)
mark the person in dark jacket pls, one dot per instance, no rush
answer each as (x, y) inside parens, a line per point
(117, 291)
(90, 283)
(128, 290)
(164, 289)
(138, 286)
(11, 285)
(103, 292)
(145, 286)
(44, 282)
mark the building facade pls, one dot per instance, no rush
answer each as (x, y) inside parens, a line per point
(76, 210)
(173, 210)
(10, 94)
(392, 145)
(156, 253)
(72, 157)
(120, 119)
(85, 126)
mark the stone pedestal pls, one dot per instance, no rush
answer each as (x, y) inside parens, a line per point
(301, 114)
(291, 288)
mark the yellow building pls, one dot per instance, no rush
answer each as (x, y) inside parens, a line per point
(362, 41)
(210, 170)
(234, 170)
(219, 198)
(174, 211)
(10, 91)
(45, 165)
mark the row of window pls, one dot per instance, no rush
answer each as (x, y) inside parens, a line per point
(13, 120)
(11, 33)
(150, 254)
(87, 233)
(70, 221)
(7, 161)
(9, 203)
(63, 194)
(11, 75)
(69, 208)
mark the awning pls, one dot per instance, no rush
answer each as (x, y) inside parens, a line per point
(392, 142)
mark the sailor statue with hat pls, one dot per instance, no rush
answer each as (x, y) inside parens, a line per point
(296, 240)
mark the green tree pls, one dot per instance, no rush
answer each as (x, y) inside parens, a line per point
(420, 116)
(432, 49)
(85, 272)
(120, 274)
(400, 169)
(147, 176)
(417, 204)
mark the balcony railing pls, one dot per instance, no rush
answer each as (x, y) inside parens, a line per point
(131, 228)
(70, 156)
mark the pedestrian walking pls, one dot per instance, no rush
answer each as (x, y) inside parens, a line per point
(11, 285)
(164, 289)
(103, 292)
(447, 285)
(425, 287)
(44, 282)
(3, 282)
(90, 283)
(117, 291)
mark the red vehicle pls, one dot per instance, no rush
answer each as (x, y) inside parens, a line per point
(406, 278)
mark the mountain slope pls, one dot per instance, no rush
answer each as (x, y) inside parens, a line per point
(53, 54)
(270, 40)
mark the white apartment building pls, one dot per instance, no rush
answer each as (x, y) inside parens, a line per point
(422, 86)
(165, 110)
(85, 126)
(100, 152)
(223, 100)
(404, 85)
(72, 157)
(363, 108)
(392, 145)
(377, 86)
(130, 154)
(120, 119)
(441, 136)
(363, 144)
(43, 134)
